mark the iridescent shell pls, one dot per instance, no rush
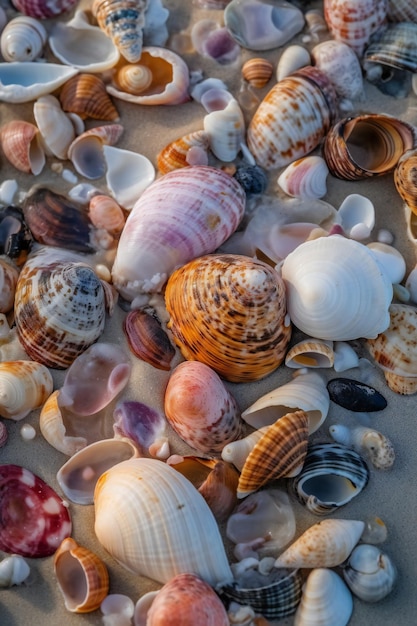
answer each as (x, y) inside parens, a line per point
(23, 39)
(325, 600)
(367, 145)
(123, 21)
(144, 426)
(354, 22)
(292, 119)
(356, 396)
(148, 340)
(22, 145)
(86, 95)
(405, 178)
(191, 149)
(229, 335)
(24, 81)
(257, 71)
(177, 218)
(42, 9)
(24, 386)
(213, 40)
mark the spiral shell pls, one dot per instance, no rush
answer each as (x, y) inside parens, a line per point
(22, 39)
(405, 178)
(257, 71)
(22, 146)
(354, 22)
(123, 21)
(86, 95)
(191, 149)
(368, 441)
(216, 291)
(310, 353)
(133, 78)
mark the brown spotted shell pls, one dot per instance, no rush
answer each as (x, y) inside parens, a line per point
(86, 95)
(229, 311)
(257, 71)
(405, 178)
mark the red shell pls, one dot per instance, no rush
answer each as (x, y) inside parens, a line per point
(43, 9)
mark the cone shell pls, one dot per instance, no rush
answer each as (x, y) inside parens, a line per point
(24, 386)
(405, 178)
(257, 71)
(366, 145)
(325, 600)
(82, 577)
(292, 119)
(280, 453)
(325, 544)
(86, 95)
(192, 149)
(354, 22)
(22, 146)
(235, 309)
(153, 520)
(123, 21)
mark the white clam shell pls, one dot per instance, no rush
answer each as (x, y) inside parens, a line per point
(14, 570)
(370, 573)
(305, 178)
(55, 126)
(24, 386)
(128, 174)
(224, 124)
(341, 65)
(25, 81)
(23, 39)
(292, 58)
(357, 216)
(154, 521)
(336, 289)
(326, 600)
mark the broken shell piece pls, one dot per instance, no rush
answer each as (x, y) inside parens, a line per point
(325, 600)
(390, 259)
(24, 386)
(305, 178)
(24, 81)
(22, 146)
(14, 570)
(86, 150)
(52, 427)
(54, 125)
(128, 174)
(310, 353)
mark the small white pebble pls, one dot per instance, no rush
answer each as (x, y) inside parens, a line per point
(27, 432)
(385, 236)
(103, 272)
(69, 176)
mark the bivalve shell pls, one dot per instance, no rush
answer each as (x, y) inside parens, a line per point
(305, 178)
(148, 340)
(325, 600)
(24, 386)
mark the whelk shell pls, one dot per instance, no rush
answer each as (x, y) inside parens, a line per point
(191, 149)
(24, 386)
(22, 39)
(354, 23)
(325, 600)
(229, 281)
(370, 573)
(405, 178)
(86, 95)
(122, 21)
(22, 146)
(24, 81)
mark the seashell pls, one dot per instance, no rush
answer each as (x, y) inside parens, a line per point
(59, 308)
(353, 23)
(106, 213)
(373, 444)
(405, 178)
(144, 426)
(82, 577)
(86, 95)
(117, 604)
(366, 145)
(200, 408)
(82, 45)
(401, 11)
(24, 386)
(315, 303)
(128, 174)
(357, 216)
(356, 396)
(187, 598)
(305, 178)
(123, 22)
(237, 451)
(184, 204)
(24, 81)
(54, 125)
(316, 24)
(78, 476)
(292, 58)
(325, 544)
(339, 61)
(257, 71)
(260, 25)
(389, 50)
(306, 392)
(182, 534)
(43, 10)
(170, 79)
(252, 178)
(370, 573)
(394, 349)
(305, 101)
(22, 146)
(332, 476)
(214, 41)
(14, 570)
(53, 427)
(227, 347)
(8, 280)
(345, 356)
(23, 39)
(191, 149)
(310, 353)
(148, 340)
(28, 527)
(325, 600)
(224, 123)
(133, 78)
(4, 435)
(391, 260)
(280, 453)
(55, 220)
(86, 150)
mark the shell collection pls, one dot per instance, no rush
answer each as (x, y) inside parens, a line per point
(214, 382)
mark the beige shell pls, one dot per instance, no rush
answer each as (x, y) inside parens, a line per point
(52, 427)
(191, 149)
(257, 71)
(133, 78)
(310, 353)
(86, 95)
(405, 178)
(54, 125)
(123, 21)
(22, 146)
(82, 577)
(326, 600)
(106, 213)
(207, 300)
(24, 386)
(9, 274)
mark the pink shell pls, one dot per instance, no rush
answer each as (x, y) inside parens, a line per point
(33, 518)
(353, 22)
(22, 145)
(43, 9)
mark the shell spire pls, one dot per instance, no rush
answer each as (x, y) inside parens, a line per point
(123, 21)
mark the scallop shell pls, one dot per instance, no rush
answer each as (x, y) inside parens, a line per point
(325, 600)
(405, 178)
(292, 58)
(82, 577)
(306, 392)
(56, 324)
(310, 353)
(339, 61)
(366, 145)
(86, 150)
(305, 178)
(180, 535)
(368, 441)
(332, 475)
(191, 149)
(53, 428)
(24, 81)
(354, 23)
(86, 95)
(200, 408)
(233, 281)
(148, 340)
(292, 119)
(257, 71)
(325, 544)
(340, 308)
(176, 219)
(224, 124)
(370, 573)
(24, 386)
(123, 21)
(22, 39)
(22, 146)
(55, 126)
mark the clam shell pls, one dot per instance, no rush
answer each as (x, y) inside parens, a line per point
(325, 600)
(325, 544)
(14, 570)
(55, 126)
(292, 119)
(356, 396)
(86, 95)
(24, 386)
(22, 39)
(86, 150)
(43, 10)
(357, 216)
(176, 219)
(53, 428)
(24, 81)
(153, 520)
(232, 280)
(405, 178)
(305, 178)
(22, 146)
(82, 577)
(366, 145)
(144, 426)
(370, 573)
(329, 290)
(148, 340)
(123, 21)
(354, 23)
(191, 149)
(257, 71)
(332, 475)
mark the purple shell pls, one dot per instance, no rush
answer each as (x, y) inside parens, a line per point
(43, 9)
(140, 423)
(33, 518)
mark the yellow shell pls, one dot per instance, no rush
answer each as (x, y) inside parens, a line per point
(257, 72)
(86, 95)
(229, 312)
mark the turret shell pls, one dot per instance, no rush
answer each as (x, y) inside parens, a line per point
(23, 39)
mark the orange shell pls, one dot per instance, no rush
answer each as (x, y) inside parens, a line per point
(86, 95)
(177, 153)
(257, 72)
(22, 146)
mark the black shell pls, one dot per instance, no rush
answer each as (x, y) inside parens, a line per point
(15, 236)
(355, 396)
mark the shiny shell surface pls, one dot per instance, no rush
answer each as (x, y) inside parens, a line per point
(354, 22)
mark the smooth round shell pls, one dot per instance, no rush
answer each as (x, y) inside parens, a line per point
(257, 71)
(148, 340)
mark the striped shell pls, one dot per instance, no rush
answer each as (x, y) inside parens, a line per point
(292, 119)
(405, 178)
(191, 149)
(393, 47)
(182, 215)
(23, 39)
(123, 21)
(41, 9)
(148, 340)
(402, 11)
(86, 95)
(353, 22)
(257, 71)
(325, 600)
(229, 311)
(133, 78)
(22, 146)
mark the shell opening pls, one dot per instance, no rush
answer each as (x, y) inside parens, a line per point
(72, 581)
(330, 488)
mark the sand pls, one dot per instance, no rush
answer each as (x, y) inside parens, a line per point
(390, 495)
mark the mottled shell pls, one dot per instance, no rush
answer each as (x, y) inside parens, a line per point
(86, 95)
(342, 66)
(292, 119)
(41, 9)
(22, 39)
(366, 145)
(82, 577)
(191, 149)
(22, 146)
(405, 178)
(182, 215)
(8, 280)
(24, 386)
(257, 71)
(59, 308)
(354, 22)
(368, 441)
(235, 308)
(148, 340)
(325, 600)
(123, 21)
